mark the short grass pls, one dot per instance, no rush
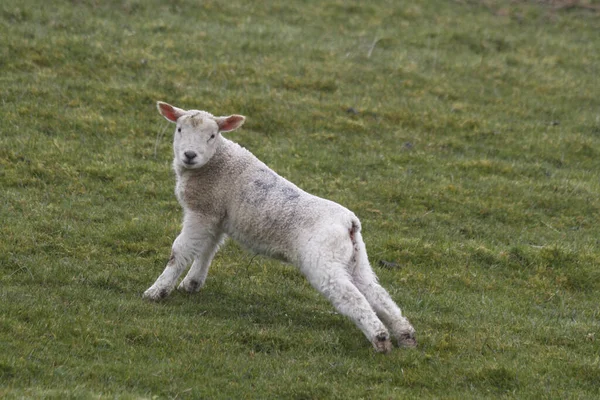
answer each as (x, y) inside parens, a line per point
(464, 134)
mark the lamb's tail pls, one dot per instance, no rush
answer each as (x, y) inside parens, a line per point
(358, 246)
(354, 229)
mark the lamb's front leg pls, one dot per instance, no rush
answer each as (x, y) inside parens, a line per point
(195, 278)
(181, 256)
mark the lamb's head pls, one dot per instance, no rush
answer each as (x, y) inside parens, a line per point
(197, 133)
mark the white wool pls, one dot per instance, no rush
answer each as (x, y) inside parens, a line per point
(226, 191)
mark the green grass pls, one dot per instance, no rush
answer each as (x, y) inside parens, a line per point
(464, 134)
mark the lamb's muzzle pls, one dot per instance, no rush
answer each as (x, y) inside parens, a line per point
(226, 191)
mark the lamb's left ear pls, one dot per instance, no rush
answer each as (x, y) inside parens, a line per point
(230, 123)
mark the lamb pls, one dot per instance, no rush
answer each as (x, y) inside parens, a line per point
(226, 191)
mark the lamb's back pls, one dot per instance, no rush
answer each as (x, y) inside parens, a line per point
(270, 214)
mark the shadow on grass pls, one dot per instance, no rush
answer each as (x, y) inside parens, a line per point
(266, 320)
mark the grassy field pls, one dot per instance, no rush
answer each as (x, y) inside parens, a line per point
(464, 134)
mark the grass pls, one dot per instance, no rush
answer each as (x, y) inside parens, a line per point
(464, 134)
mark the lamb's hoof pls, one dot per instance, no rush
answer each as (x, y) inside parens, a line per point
(155, 293)
(407, 340)
(382, 343)
(191, 286)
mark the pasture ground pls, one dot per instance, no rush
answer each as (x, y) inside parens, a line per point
(464, 134)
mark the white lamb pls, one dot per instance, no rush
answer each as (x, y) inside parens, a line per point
(225, 190)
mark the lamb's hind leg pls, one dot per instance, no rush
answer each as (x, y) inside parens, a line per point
(195, 278)
(333, 281)
(366, 281)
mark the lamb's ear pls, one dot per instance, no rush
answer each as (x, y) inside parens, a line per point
(230, 123)
(169, 112)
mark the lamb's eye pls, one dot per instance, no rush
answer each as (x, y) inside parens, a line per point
(179, 129)
(212, 136)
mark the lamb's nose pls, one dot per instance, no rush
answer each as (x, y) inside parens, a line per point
(190, 155)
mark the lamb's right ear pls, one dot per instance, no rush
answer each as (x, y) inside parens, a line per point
(169, 112)
(230, 123)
